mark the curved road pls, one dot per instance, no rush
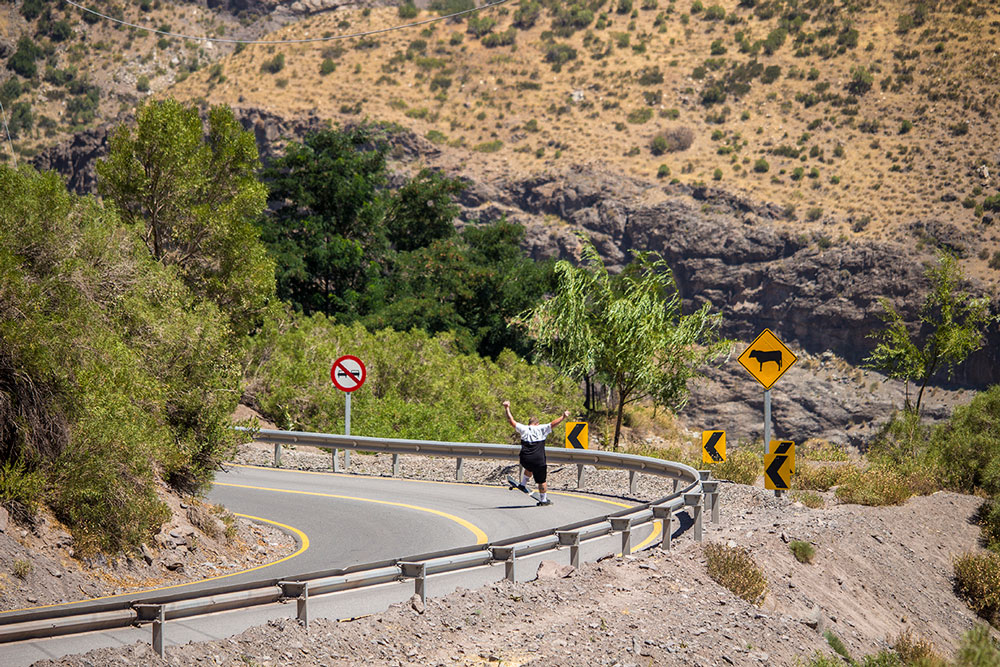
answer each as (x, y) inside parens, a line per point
(351, 519)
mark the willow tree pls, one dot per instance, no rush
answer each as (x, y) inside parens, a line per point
(950, 328)
(627, 331)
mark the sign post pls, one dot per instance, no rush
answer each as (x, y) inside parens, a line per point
(348, 373)
(767, 359)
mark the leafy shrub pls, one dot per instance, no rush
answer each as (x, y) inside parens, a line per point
(274, 65)
(480, 24)
(771, 74)
(446, 7)
(816, 449)
(495, 39)
(142, 387)
(662, 171)
(837, 644)
(804, 552)
(741, 466)
(23, 60)
(21, 568)
(488, 146)
(761, 166)
(407, 10)
(735, 569)
(650, 76)
(460, 405)
(327, 67)
(814, 214)
(21, 488)
(558, 54)
(977, 578)
(639, 116)
(978, 648)
(142, 84)
(967, 447)
(861, 80)
(527, 14)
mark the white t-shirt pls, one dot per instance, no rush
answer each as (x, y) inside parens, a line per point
(534, 432)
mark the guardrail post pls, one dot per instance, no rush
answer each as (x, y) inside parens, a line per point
(694, 501)
(336, 460)
(460, 470)
(347, 459)
(676, 484)
(157, 614)
(419, 573)
(571, 538)
(631, 482)
(711, 489)
(623, 524)
(579, 475)
(300, 591)
(666, 515)
(704, 474)
(395, 465)
(509, 557)
(277, 455)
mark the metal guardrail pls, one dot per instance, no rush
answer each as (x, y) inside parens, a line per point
(692, 489)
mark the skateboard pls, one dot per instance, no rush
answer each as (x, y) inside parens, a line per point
(513, 485)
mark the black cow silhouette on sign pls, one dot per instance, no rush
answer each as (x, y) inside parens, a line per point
(764, 356)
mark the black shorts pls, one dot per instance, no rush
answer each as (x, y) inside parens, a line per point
(532, 459)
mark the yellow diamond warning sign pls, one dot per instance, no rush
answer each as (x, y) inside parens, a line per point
(767, 358)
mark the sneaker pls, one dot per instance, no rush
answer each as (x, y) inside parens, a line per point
(522, 488)
(544, 502)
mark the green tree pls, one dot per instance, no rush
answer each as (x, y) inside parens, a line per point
(325, 229)
(951, 323)
(195, 197)
(471, 285)
(422, 211)
(628, 331)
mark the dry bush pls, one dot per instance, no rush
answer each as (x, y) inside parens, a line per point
(673, 140)
(809, 499)
(816, 449)
(735, 568)
(741, 466)
(819, 478)
(876, 485)
(913, 649)
(977, 577)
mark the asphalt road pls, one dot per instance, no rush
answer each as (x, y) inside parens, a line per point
(350, 519)
(341, 520)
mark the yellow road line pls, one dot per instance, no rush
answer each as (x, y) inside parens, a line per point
(303, 542)
(475, 530)
(421, 481)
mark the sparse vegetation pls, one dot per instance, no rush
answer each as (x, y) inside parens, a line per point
(735, 569)
(804, 552)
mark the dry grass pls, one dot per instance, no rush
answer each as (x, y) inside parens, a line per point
(735, 569)
(977, 578)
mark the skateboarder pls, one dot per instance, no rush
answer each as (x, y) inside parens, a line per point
(532, 456)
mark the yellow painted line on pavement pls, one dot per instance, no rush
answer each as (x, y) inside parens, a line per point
(303, 545)
(475, 530)
(421, 481)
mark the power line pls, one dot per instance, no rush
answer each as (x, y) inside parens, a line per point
(287, 41)
(7, 130)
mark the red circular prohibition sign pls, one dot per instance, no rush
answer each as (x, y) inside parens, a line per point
(348, 373)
